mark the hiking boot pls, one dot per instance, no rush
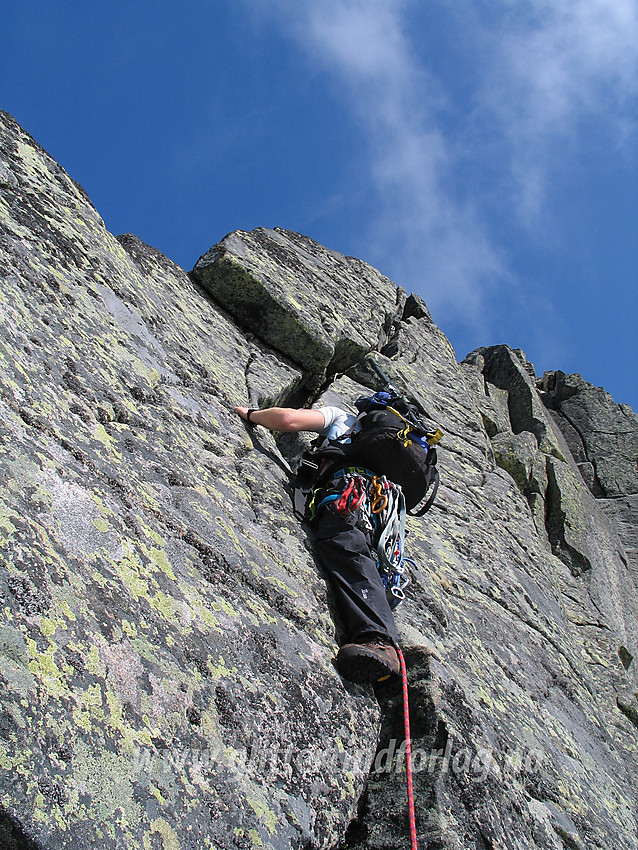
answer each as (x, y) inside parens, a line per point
(373, 661)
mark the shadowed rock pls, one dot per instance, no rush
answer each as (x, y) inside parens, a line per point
(603, 439)
(601, 434)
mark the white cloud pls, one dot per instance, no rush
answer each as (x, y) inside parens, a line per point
(420, 235)
(560, 63)
(540, 66)
(573, 55)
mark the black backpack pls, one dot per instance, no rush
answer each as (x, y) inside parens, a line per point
(391, 439)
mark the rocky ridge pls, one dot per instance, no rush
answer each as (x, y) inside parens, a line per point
(166, 639)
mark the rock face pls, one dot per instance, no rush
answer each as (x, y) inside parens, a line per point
(602, 435)
(603, 439)
(166, 637)
(298, 296)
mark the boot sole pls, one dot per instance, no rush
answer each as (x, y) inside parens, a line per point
(363, 666)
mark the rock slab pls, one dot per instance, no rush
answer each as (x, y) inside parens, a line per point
(167, 637)
(298, 296)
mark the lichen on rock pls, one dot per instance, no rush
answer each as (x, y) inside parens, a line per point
(167, 636)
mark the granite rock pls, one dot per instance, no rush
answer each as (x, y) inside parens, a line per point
(599, 432)
(623, 513)
(603, 439)
(297, 296)
(167, 636)
(166, 654)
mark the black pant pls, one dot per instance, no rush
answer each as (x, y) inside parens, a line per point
(345, 551)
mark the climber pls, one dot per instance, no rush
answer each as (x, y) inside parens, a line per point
(344, 534)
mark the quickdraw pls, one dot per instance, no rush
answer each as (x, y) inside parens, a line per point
(389, 549)
(403, 436)
(432, 437)
(384, 505)
(352, 496)
(378, 499)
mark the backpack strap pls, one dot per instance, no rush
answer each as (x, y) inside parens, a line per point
(314, 464)
(430, 500)
(307, 475)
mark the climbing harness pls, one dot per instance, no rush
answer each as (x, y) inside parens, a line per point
(408, 751)
(381, 507)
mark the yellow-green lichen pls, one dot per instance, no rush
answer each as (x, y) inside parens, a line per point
(254, 837)
(6, 514)
(160, 560)
(129, 629)
(48, 626)
(98, 432)
(264, 813)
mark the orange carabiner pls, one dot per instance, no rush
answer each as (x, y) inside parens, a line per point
(378, 501)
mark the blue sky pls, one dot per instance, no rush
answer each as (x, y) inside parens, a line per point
(482, 154)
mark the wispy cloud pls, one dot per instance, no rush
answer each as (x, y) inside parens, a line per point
(541, 66)
(568, 56)
(555, 64)
(436, 244)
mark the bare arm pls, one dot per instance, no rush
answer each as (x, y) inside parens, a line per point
(285, 418)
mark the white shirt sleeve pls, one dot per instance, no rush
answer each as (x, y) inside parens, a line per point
(336, 420)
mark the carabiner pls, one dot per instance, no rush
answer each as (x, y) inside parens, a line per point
(378, 499)
(351, 497)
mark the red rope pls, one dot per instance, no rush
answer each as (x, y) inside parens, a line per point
(408, 751)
